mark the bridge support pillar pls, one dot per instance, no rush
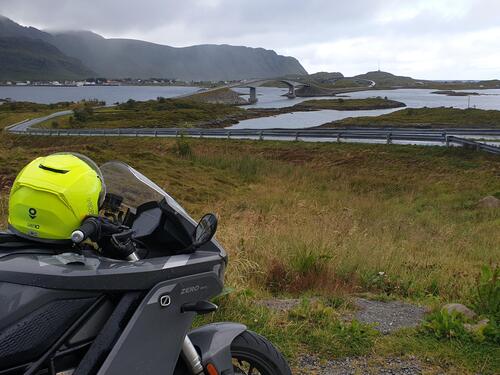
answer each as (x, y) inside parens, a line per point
(291, 92)
(253, 95)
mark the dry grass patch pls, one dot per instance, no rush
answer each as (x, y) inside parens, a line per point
(319, 218)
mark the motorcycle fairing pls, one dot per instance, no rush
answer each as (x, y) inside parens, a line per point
(93, 273)
(159, 327)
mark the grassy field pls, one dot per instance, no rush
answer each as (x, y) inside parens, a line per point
(325, 220)
(428, 117)
(11, 113)
(179, 113)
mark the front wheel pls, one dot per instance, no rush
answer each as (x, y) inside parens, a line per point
(254, 355)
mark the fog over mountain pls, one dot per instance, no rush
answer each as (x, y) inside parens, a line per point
(29, 53)
(429, 39)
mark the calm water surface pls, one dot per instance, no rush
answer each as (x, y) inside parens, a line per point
(299, 120)
(413, 98)
(110, 94)
(418, 98)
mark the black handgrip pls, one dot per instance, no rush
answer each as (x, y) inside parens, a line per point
(89, 229)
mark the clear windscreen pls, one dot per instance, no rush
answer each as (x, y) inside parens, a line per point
(133, 189)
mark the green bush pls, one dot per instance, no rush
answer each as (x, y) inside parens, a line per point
(83, 114)
(486, 303)
(492, 332)
(182, 148)
(486, 296)
(304, 261)
(443, 325)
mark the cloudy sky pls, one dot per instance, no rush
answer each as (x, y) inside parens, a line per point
(432, 39)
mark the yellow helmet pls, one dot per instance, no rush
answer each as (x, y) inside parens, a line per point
(52, 195)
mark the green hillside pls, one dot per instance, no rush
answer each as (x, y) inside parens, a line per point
(385, 79)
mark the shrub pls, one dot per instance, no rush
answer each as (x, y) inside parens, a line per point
(129, 104)
(485, 301)
(443, 325)
(182, 147)
(83, 114)
(54, 124)
(305, 261)
(486, 297)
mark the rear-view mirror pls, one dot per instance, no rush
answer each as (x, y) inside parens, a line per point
(205, 230)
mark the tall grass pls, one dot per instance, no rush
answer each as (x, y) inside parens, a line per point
(320, 218)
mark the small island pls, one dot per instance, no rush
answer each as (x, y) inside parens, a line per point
(455, 93)
(441, 117)
(341, 104)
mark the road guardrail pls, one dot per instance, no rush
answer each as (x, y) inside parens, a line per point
(387, 135)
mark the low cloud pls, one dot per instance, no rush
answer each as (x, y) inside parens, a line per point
(442, 39)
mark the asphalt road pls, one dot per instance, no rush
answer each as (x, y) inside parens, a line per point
(444, 136)
(24, 126)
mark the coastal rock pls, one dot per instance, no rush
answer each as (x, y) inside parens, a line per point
(489, 202)
(460, 309)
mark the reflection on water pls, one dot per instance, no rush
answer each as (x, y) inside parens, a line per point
(418, 98)
(271, 97)
(110, 94)
(298, 120)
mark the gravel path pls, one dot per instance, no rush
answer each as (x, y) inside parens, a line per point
(361, 365)
(389, 316)
(386, 317)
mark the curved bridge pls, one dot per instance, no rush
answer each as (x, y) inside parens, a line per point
(253, 84)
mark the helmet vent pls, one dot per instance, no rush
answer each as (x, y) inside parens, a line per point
(61, 171)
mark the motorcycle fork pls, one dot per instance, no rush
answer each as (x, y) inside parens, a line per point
(191, 357)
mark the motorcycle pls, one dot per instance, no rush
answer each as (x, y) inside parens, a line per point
(121, 298)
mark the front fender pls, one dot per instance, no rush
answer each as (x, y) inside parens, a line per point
(214, 342)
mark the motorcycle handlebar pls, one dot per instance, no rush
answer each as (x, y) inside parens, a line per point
(120, 239)
(88, 229)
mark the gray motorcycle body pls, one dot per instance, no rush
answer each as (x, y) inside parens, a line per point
(42, 292)
(67, 308)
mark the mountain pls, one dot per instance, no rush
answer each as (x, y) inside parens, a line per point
(26, 53)
(26, 58)
(128, 58)
(120, 58)
(9, 28)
